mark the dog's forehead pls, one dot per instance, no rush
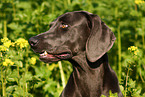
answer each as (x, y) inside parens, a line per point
(70, 17)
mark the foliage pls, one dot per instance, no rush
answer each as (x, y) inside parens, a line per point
(22, 74)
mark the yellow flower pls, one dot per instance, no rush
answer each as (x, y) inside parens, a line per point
(139, 1)
(135, 52)
(12, 63)
(22, 43)
(8, 62)
(4, 40)
(33, 61)
(5, 64)
(7, 44)
(3, 48)
(133, 49)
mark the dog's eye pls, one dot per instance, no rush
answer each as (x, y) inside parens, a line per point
(63, 25)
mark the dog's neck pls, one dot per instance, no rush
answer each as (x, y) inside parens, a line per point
(90, 78)
(80, 61)
(88, 73)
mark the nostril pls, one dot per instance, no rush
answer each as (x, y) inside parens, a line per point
(33, 41)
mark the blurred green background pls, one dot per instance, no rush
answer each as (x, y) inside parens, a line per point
(27, 18)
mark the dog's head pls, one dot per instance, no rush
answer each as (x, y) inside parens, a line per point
(73, 33)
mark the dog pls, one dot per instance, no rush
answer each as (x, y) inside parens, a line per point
(83, 39)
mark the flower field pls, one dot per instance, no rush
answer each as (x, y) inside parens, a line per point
(22, 74)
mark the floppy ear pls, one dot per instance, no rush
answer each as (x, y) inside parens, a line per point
(101, 39)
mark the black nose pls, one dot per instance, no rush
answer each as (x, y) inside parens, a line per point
(33, 41)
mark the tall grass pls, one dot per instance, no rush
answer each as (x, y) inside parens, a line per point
(62, 74)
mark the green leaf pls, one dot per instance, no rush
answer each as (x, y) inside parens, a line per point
(19, 63)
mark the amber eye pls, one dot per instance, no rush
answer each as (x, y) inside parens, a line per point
(64, 26)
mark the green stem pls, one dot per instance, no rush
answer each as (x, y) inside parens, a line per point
(127, 80)
(19, 87)
(141, 77)
(5, 28)
(23, 84)
(65, 4)
(5, 80)
(38, 27)
(62, 74)
(4, 22)
(69, 2)
(18, 71)
(3, 84)
(142, 32)
(136, 35)
(53, 6)
(119, 42)
(119, 49)
(26, 88)
(14, 9)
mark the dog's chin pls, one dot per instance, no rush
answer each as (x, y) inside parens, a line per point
(50, 58)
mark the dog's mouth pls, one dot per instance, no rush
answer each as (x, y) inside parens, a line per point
(49, 58)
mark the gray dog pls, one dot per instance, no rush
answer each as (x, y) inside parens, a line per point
(83, 39)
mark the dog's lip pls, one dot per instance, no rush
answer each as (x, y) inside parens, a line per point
(46, 55)
(49, 57)
(64, 55)
(60, 55)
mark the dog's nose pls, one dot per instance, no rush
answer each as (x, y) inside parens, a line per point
(33, 41)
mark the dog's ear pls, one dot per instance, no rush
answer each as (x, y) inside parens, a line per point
(101, 39)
